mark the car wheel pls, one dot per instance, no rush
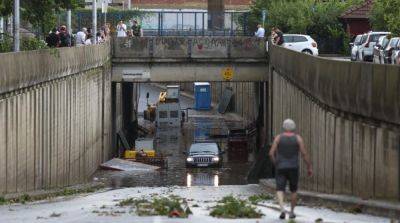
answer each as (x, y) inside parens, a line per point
(307, 52)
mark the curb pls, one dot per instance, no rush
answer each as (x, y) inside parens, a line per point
(373, 207)
(45, 194)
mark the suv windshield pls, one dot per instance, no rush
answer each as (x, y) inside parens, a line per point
(394, 41)
(204, 148)
(363, 39)
(375, 37)
(385, 42)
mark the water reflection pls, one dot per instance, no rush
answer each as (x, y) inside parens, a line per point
(202, 179)
(172, 142)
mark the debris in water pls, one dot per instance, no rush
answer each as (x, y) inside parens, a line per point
(124, 165)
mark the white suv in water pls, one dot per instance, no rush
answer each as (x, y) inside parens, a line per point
(300, 43)
(204, 155)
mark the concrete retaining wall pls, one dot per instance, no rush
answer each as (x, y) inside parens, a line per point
(55, 117)
(347, 114)
(189, 47)
(365, 89)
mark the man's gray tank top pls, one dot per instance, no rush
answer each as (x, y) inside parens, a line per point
(288, 152)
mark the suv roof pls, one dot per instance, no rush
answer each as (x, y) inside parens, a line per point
(379, 33)
(296, 35)
(201, 147)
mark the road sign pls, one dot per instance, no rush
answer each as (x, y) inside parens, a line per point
(227, 73)
(104, 7)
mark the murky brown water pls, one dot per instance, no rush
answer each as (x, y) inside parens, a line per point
(172, 142)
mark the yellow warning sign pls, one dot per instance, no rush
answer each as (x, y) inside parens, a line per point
(227, 73)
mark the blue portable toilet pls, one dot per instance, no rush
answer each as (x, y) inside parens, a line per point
(202, 95)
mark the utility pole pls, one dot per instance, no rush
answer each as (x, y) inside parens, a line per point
(129, 4)
(1, 26)
(16, 26)
(69, 23)
(94, 21)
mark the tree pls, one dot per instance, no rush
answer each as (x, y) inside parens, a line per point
(6, 7)
(41, 13)
(386, 16)
(319, 19)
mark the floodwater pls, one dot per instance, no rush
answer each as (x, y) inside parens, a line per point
(173, 142)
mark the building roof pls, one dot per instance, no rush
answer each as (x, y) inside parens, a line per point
(361, 11)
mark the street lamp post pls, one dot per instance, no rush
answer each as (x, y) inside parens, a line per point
(94, 20)
(69, 23)
(16, 26)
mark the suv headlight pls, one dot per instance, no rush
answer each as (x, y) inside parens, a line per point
(215, 159)
(189, 159)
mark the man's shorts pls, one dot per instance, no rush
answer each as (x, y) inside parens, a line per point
(284, 175)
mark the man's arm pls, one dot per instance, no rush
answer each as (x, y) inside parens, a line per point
(305, 156)
(273, 149)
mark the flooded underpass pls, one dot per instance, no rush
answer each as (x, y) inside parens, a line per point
(228, 131)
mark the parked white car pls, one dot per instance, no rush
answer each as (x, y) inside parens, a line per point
(366, 49)
(300, 43)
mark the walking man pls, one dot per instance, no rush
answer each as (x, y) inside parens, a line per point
(284, 154)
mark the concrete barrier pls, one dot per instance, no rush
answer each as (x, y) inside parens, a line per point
(188, 48)
(368, 90)
(132, 47)
(55, 117)
(210, 47)
(247, 47)
(28, 68)
(348, 115)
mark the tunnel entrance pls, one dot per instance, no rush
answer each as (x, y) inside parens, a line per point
(237, 133)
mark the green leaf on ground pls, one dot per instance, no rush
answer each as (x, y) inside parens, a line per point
(230, 207)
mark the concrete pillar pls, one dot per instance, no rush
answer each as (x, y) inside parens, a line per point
(2, 25)
(94, 20)
(16, 26)
(128, 113)
(216, 16)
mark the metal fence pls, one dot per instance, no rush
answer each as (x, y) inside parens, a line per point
(168, 23)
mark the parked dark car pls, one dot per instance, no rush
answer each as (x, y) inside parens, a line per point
(204, 155)
(389, 50)
(379, 48)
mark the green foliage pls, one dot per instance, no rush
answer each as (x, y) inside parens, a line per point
(6, 44)
(6, 7)
(386, 16)
(41, 13)
(230, 207)
(319, 19)
(172, 206)
(32, 44)
(2, 200)
(255, 199)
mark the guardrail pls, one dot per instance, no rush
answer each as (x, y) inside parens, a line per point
(189, 47)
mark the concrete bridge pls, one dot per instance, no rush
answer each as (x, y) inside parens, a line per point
(59, 118)
(188, 59)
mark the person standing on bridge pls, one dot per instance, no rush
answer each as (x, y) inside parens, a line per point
(284, 154)
(260, 31)
(121, 29)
